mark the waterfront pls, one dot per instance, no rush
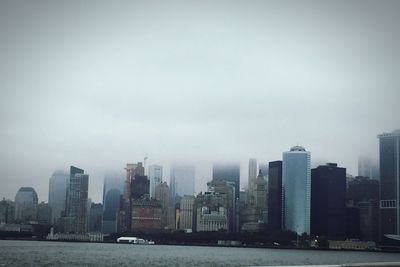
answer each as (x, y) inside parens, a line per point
(41, 253)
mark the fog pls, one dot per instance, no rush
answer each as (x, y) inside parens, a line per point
(98, 84)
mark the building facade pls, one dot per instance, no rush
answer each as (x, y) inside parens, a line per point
(228, 173)
(389, 162)
(26, 201)
(186, 213)
(110, 211)
(162, 194)
(251, 185)
(182, 181)
(296, 180)
(146, 216)
(328, 201)
(212, 212)
(58, 194)
(155, 177)
(275, 195)
(95, 218)
(75, 220)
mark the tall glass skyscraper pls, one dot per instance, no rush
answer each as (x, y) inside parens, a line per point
(57, 194)
(182, 180)
(26, 201)
(296, 180)
(77, 199)
(389, 159)
(155, 177)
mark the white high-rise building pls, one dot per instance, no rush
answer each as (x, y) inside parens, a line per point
(296, 180)
(155, 177)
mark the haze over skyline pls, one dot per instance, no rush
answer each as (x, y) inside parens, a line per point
(101, 84)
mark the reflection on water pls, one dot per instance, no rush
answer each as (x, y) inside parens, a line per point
(36, 253)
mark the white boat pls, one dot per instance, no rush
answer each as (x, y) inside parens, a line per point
(134, 240)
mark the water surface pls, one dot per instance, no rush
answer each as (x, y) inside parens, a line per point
(42, 253)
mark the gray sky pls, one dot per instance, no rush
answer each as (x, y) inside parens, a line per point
(98, 84)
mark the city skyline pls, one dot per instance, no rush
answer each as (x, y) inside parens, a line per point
(191, 81)
(202, 176)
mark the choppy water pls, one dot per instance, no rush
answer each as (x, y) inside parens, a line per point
(36, 253)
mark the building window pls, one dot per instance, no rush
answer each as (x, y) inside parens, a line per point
(388, 204)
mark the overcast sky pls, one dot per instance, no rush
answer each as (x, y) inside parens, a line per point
(98, 84)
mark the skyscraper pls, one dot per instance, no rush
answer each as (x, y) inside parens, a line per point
(95, 217)
(26, 201)
(112, 190)
(155, 177)
(162, 194)
(296, 179)
(57, 194)
(110, 209)
(252, 180)
(182, 180)
(328, 201)
(140, 187)
(186, 213)
(275, 195)
(229, 173)
(389, 159)
(125, 207)
(77, 199)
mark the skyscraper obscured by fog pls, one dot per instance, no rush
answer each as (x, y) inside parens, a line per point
(75, 220)
(182, 180)
(155, 177)
(296, 179)
(112, 190)
(57, 194)
(251, 185)
(228, 173)
(367, 167)
(26, 201)
(389, 162)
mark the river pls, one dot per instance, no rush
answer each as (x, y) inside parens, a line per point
(42, 253)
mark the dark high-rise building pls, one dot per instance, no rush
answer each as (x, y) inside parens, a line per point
(352, 222)
(140, 187)
(44, 213)
(275, 195)
(110, 210)
(362, 189)
(95, 217)
(75, 220)
(389, 162)
(363, 193)
(328, 201)
(369, 219)
(228, 173)
(7, 212)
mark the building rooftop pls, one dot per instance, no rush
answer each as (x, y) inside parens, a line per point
(394, 133)
(297, 148)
